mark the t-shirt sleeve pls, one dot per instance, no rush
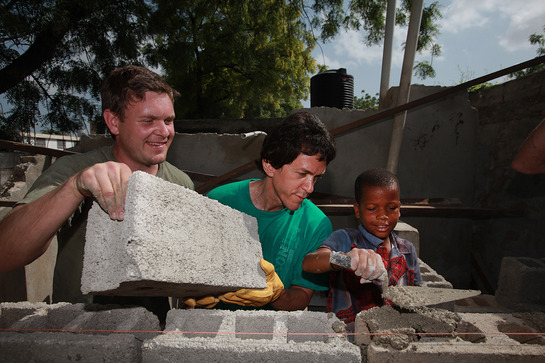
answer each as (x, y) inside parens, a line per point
(50, 179)
(174, 175)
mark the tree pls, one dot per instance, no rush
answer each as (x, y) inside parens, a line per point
(228, 58)
(539, 40)
(369, 15)
(54, 55)
(233, 59)
(366, 101)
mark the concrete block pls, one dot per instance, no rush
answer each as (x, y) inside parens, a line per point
(521, 283)
(68, 347)
(64, 316)
(499, 342)
(409, 233)
(249, 336)
(38, 332)
(431, 278)
(172, 242)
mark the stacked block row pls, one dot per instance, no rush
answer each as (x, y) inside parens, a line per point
(91, 333)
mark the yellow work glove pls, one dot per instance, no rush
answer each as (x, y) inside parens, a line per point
(257, 297)
(207, 302)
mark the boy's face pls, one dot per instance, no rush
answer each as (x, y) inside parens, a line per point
(379, 210)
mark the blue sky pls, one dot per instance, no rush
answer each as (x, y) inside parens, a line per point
(477, 37)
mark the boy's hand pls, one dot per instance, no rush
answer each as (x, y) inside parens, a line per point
(367, 264)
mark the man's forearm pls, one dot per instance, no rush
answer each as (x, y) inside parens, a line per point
(294, 298)
(25, 233)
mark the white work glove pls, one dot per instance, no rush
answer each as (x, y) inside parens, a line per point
(367, 264)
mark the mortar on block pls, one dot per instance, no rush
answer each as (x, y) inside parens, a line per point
(172, 242)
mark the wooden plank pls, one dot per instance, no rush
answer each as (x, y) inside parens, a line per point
(429, 211)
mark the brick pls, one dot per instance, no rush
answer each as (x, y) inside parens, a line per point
(68, 347)
(249, 336)
(434, 335)
(521, 283)
(408, 232)
(74, 332)
(172, 242)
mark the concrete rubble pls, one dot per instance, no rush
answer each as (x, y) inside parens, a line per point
(172, 242)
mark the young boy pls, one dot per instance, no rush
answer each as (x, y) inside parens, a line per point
(372, 247)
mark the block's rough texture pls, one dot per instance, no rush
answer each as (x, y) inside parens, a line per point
(172, 242)
(521, 284)
(38, 332)
(249, 336)
(409, 233)
(431, 278)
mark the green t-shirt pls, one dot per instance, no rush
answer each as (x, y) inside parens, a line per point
(71, 236)
(286, 236)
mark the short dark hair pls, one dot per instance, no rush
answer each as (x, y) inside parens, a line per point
(376, 177)
(130, 83)
(300, 132)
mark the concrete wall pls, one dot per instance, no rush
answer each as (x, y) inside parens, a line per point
(507, 114)
(8, 160)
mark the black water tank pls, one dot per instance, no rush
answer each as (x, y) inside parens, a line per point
(332, 88)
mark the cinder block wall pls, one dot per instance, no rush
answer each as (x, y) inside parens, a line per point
(90, 333)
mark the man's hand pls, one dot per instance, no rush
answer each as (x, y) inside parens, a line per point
(257, 297)
(367, 264)
(107, 182)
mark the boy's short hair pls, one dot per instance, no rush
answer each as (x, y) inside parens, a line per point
(130, 83)
(300, 132)
(376, 177)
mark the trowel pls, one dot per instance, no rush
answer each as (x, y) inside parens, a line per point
(410, 296)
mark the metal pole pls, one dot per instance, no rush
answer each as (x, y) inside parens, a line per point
(387, 53)
(405, 84)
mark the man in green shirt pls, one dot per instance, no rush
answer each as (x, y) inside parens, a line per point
(293, 157)
(138, 108)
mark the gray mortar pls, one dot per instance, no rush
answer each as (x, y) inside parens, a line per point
(172, 242)
(415, 296)
(405, 326)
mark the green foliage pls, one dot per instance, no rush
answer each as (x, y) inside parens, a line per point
(424, 70)
(426, 40)
(54, 55)
(481, 86)
(366, 101)
(370, 16)
(232, 59)
(539, 40)
(227, 58)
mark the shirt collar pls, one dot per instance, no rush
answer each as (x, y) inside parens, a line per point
(375, 241)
